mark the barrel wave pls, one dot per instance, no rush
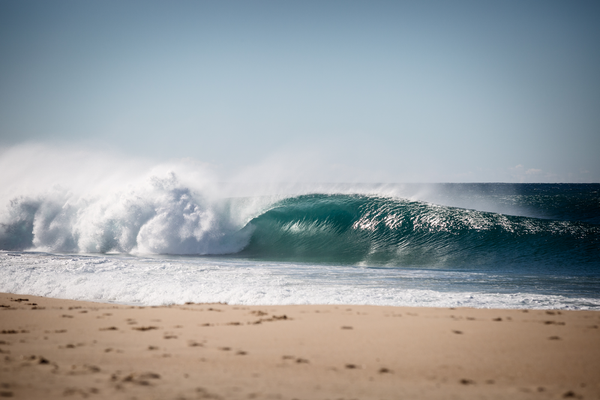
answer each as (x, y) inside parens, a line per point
(383, 231)
(163, 216)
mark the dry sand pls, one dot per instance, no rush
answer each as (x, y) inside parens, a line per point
(67, 349)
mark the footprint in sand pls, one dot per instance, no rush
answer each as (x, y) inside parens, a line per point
(144, 328)
(83, 369)
(297, 359)
(36, 360)
(142, 379)
(571, 395)
(205, 394)
(70, 391)
(19, 300)
(6, 393)
(110, 328)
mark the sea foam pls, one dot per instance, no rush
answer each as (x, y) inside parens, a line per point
(160, 281)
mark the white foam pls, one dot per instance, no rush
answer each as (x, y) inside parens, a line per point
(170, 209)
(161, 280)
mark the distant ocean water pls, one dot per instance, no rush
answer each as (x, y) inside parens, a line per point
(446, 245)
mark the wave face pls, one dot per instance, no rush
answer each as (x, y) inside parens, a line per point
(395, 232)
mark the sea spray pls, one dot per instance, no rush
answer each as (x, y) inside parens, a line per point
(158, 216)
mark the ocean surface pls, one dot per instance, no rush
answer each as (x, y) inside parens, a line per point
(159, 242)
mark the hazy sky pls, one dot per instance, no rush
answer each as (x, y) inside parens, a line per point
(395, 91)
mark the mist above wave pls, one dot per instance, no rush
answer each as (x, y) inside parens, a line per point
(80, 201)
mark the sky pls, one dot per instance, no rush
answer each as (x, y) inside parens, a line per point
(373, 91)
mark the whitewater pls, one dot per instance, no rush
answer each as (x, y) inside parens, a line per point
(90, 228)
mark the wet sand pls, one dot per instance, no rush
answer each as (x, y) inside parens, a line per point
(55, 349)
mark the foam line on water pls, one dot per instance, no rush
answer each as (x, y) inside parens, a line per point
(158, 281)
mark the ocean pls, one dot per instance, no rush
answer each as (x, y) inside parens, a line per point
(488, 245)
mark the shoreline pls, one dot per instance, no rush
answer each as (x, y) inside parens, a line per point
(52, 348)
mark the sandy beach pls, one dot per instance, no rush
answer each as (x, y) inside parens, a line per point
(53, 348)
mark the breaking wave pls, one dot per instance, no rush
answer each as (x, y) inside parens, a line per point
(163, 216)
(380, 230)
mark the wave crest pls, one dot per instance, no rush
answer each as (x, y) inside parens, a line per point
(159, 216)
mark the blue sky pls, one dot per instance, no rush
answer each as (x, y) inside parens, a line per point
(425, 91)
